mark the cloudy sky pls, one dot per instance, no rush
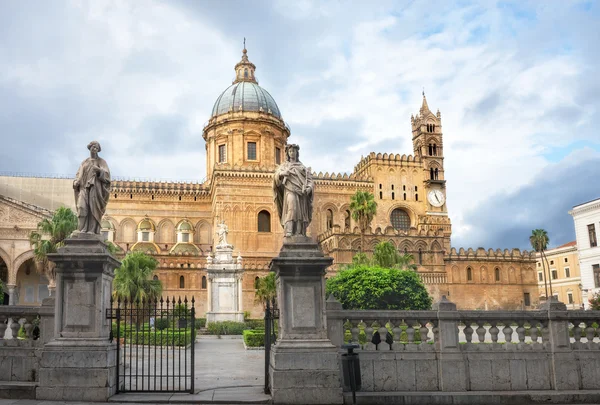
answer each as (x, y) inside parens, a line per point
(517, 85)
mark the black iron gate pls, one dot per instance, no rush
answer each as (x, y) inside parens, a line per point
(155, 344)
(271, 315)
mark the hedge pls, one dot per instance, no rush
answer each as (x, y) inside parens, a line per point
(254, 338)
(161, 338)
(226, 328)
(255, 323)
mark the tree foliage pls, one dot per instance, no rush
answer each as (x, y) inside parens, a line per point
(386, 255)
(133, 280)
(539, 242)
(363, 208)
(595, 302)
(266, 290)
(375, 287)
(49, 236)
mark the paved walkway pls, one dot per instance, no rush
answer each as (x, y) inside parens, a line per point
(225, 372)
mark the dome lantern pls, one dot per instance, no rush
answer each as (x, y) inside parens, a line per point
(244, 69)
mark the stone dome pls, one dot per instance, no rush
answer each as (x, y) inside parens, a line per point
(245, 96)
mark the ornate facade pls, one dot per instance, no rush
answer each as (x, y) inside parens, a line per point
(245, 139)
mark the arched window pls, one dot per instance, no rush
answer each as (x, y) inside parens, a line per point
(347, 220)
(246, 73)
(497, 274)
(256, 281)
(181, 282)
(434, 150)
(431, 173)
(469, 274)
(404, 196)
(155, 278)
(329, 219)
(400, 219)
(420, 256)
(203, 282)
(430, 150)
(264, 221)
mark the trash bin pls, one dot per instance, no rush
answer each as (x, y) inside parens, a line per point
(351, 370)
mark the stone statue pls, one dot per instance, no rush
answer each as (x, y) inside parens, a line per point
(293, 189)
(92, 189)
(222, 232)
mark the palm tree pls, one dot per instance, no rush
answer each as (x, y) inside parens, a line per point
(363, 208)
(133, 280)
(49, 236)
(385, 255)
(266, 290)
(539, 242)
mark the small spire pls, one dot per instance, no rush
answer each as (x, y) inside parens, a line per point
(244, 69)
(424, 106)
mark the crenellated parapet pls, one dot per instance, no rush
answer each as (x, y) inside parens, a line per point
(394, 159)
(490, 254)
(168, 188)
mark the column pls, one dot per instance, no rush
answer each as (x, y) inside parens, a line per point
(79, 363)
(11, 294)
(453, 373)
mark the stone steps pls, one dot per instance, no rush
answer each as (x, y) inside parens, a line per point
(17, 389)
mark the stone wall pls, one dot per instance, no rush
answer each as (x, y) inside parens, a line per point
(445, 350)
(20, 358)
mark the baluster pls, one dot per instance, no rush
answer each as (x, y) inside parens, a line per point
(435, 330)
(468, 331)
(14, 327)
(521, 331)
(410, 332)
(533, 331)
(480, 331)
(383, 344)
(494, 331)
(355, 331)
(577, 331)
(423, 331)
(589, 331)
(369, 335)
(545, 332)
(397, 331)
(508, 331)
(3, 326)
(28, 326)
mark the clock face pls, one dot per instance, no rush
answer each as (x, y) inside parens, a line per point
(436, 198)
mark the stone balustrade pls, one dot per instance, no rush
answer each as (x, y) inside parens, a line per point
(447, 350)
(12, 318)
(20, 356)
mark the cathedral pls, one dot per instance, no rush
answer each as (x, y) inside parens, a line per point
(245, 139)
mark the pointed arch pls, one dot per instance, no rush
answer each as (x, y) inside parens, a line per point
(165, 232)
(435, 246)
(126, 231)
(203, 233)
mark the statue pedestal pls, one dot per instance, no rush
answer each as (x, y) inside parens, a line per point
(225, 287)
(80, 362)
(304, 365)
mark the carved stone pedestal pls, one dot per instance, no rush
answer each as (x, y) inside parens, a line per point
(304, 366)
(224, 286)
(80, 362)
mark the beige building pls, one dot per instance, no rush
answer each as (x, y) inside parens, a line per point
(562, 270)
(245, 139)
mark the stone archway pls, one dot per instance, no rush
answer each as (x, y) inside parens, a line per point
(31, 286)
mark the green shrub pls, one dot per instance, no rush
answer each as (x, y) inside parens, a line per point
(200, 322)
(254, 338)
(256, 323)
(373, 287)
(161, 338)
(161, 323)
(226, 328)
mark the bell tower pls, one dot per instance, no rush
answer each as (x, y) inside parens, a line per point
(428, 145)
